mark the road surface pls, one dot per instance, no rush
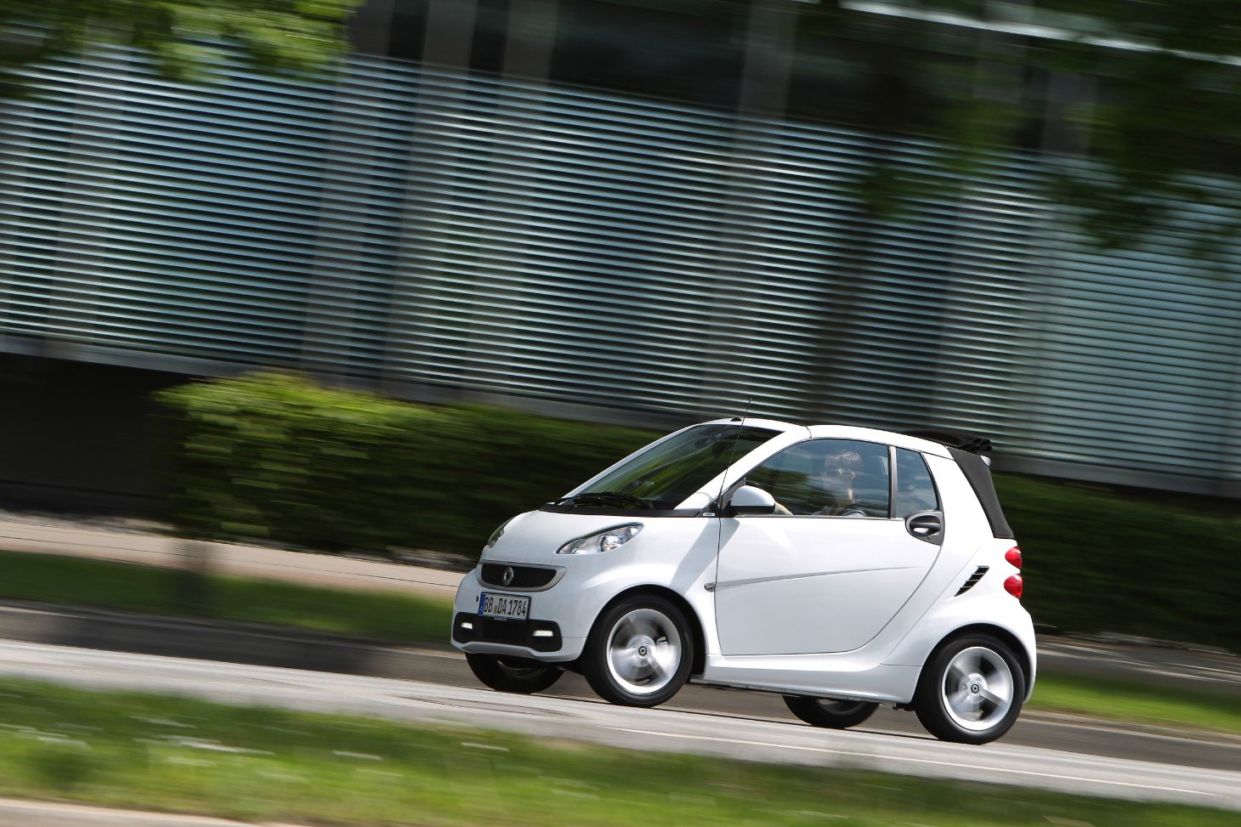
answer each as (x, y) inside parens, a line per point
(748, 726)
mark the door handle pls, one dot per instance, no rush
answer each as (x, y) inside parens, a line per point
(926, 525)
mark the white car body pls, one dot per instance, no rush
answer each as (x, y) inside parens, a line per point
(833, 607)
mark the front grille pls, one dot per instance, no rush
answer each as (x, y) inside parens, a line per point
(973, 581)
(524, 577)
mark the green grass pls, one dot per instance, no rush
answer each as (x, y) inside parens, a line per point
(171, 754)
(1138, 703)
(75, 581)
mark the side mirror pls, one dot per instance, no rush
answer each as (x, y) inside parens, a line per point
(750, 500)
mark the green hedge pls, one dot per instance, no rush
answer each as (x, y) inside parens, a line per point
(274, 457)
(1097, 560)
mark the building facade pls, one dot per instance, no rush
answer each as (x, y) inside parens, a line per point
(532, 202)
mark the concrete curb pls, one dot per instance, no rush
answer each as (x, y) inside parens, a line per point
(15, 813)
(228, 559)
(231, 642)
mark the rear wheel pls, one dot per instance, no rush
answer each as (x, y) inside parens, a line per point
(640, 652)
(832, 713)
(506, 674)
(971, 690)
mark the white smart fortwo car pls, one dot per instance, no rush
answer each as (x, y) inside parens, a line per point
(841, 567)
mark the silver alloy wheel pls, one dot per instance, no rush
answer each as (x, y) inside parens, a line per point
(977, 689)
(644, 651)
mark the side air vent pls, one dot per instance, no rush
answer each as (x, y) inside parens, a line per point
(973, 581)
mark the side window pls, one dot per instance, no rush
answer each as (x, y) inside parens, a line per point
(914, 489)
(827, 477)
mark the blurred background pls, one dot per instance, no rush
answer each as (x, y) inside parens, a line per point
(536, 218)
(300, 299)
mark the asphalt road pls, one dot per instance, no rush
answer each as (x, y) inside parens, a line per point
(1042, 751)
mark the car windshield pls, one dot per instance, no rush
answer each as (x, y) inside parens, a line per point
(663, 475)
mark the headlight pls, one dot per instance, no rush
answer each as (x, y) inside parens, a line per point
(496, 535)
(603, 541)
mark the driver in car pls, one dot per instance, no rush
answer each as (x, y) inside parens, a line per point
(833, 486)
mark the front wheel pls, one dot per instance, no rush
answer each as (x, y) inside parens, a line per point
(505, 674)
(971, 690)
(639, 652)
(831, 713)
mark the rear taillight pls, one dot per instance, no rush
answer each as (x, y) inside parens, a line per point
(1013, 586)
(1013, 556)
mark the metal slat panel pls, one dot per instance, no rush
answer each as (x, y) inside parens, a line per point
(192, 220)
(428, 228)
(961, 275)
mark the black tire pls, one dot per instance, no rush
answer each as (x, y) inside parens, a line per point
(505, 674)
(939, 680)
(831, 713)
(656, 624)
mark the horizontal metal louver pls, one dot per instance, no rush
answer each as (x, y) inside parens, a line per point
(605, 245)
(1139, 356)
(424, 229)
(140, 215)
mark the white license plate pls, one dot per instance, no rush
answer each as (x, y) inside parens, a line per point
(507, 606)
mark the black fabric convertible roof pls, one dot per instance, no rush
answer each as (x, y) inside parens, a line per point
(966, 449)
(979, 475)
(954, 439)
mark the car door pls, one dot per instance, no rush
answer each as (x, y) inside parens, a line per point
(828, 571)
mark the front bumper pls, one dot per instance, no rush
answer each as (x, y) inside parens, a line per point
(559, 622)
(539, 635)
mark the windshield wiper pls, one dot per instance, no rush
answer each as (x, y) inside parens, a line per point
(605, 498)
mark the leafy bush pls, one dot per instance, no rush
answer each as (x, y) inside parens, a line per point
(1097, 561)
(274, 457)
